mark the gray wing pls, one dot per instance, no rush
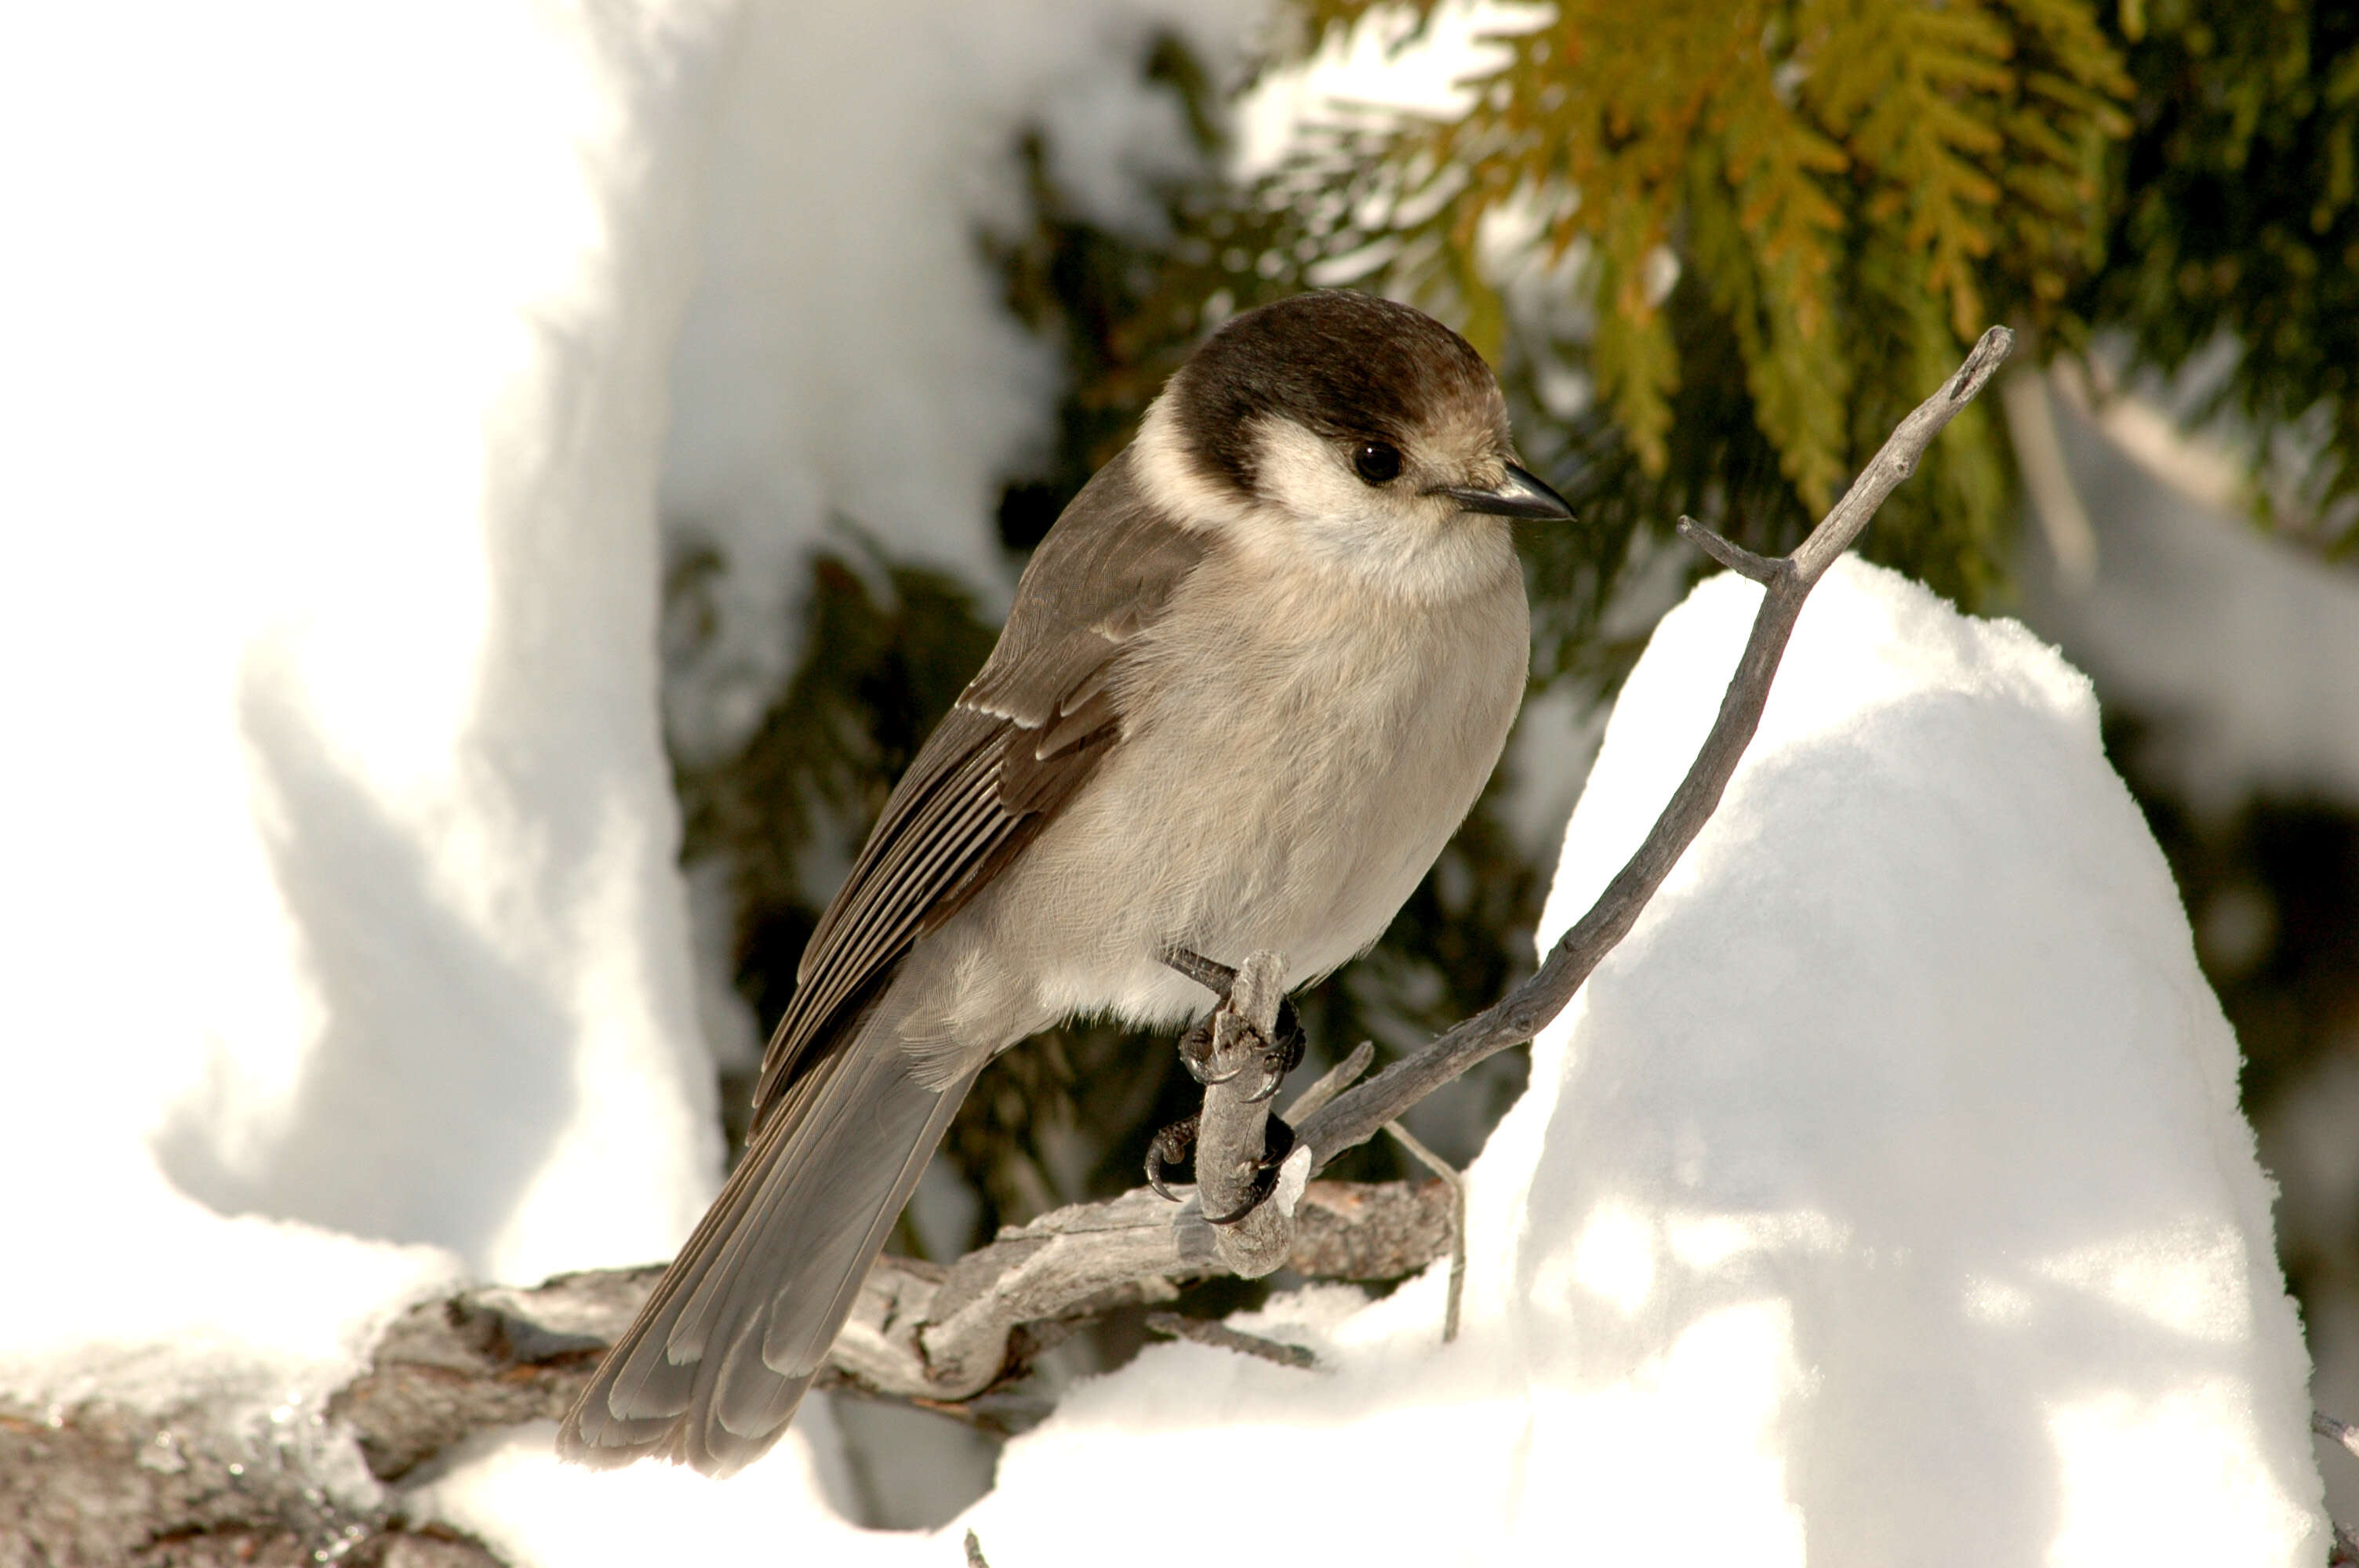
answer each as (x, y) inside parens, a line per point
(1025, 734)
(714, 1365)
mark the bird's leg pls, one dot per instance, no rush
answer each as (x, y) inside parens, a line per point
(1228, 1040)
(1240, 1052)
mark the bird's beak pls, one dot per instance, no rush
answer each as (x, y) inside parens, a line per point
(1521, 495)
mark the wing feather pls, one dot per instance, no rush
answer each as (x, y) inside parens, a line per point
(1024, 737)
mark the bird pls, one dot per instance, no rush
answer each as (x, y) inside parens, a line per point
(1250, 683)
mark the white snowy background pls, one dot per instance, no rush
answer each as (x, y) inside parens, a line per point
(1885, 1196)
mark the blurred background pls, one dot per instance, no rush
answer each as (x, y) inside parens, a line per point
(897, 280)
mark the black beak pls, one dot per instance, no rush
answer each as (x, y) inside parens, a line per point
(1522, 495)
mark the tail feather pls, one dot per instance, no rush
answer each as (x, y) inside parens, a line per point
(710, 1372)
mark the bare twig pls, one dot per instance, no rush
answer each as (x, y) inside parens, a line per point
(1734, 556)
(975, 1557)
(1355, 1115)
(1334, 1081)
(2345, 1435)
(1456, 1182)
(1220, 1336)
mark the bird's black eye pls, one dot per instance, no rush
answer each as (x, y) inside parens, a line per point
(1376, 463)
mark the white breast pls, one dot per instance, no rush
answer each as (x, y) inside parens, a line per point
(1295, 753)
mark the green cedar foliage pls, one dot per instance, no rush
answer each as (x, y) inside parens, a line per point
(1842, 192)
(2236, 212)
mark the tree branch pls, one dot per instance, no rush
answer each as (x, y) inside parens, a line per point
(1250, 1235)
(941, 1337)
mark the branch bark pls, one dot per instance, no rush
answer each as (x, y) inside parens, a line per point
(102, 1483)
(1232, 1131)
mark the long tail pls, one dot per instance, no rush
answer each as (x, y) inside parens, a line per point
(713, 1369)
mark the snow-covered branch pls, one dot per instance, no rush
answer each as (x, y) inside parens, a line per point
(94, 1483)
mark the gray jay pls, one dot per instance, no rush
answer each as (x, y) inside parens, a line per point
(1251, 683)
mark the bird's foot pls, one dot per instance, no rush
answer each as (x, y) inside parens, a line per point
(1229, 1041)
(1170, 1146)
(1277, 1142)
(1175, 1142)
(1240, 1052)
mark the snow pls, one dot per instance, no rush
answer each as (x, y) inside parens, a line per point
(508, 1490)
(2233, 649)
(845, 356)
(1385, 64)
(347, 957)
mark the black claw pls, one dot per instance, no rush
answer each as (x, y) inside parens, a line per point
(1279, 1057)
(1196, 1053)
(1277, 1144)
(1293, 1042)
(1169, 1148)
(1283, 1054)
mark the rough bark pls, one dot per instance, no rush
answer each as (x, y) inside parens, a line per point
(101, 1486)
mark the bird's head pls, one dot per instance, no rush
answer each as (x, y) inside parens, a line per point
(1347, 430)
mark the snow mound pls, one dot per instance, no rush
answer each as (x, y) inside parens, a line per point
(508, 1490)
(1884, 1194)
(349, 950)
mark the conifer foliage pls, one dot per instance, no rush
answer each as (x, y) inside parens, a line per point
(2235, 216)
(1858, 187)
